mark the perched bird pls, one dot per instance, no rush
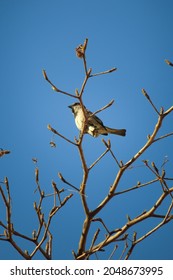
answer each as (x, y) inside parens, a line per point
(94, 126)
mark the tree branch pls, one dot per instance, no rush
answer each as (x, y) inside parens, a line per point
(104, 72)
(56, 132)
(54, 87)
(129, 224)
(103, 108)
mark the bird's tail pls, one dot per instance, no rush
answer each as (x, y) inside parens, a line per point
(121, 132)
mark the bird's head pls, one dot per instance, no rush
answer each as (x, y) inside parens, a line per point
(75, 107)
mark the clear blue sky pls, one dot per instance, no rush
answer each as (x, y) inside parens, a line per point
(134, 36)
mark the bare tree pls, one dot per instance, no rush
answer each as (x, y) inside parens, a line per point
(124, 236)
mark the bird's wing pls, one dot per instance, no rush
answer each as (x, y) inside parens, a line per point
(97, 119)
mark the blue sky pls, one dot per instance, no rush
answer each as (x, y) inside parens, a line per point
(134, 36)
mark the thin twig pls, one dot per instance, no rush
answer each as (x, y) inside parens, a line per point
(52, 194)
(93, 241)
(168, 62)
(168, 111)
(168, 212)
(37, 181)
(3, 196)
(104, 72)
(59, 134)
(101, 221)
(137, 187)
(51, 214)
(103, 108)
(160, 178)
(54, 87)
(114, 157)
(162, 181)
(149, 99)
(84, 83)
(56, 192)
(84, 57)
(124, 250)
(162, 137)
(8, 207)
(66, 182)
(113, 252)
(131, 247)
(98, 159)
(164, 221)
(4, 152)
(131, 223)
(108, 145)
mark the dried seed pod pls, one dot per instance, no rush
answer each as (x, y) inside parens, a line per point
(80, 51)
(34, 160)
(52, 144)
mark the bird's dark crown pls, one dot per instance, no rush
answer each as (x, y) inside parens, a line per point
(73, 105)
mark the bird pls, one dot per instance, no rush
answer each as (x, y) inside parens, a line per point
(93, 125)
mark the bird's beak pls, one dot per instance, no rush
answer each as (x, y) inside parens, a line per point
(70, 106)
